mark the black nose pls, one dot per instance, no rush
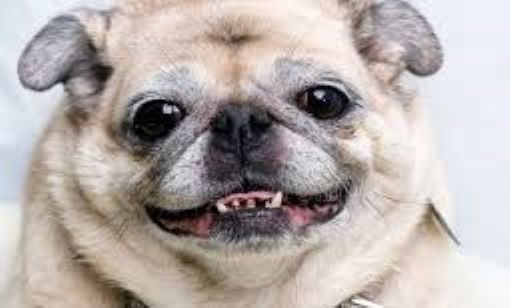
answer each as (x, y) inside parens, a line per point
(238, 129)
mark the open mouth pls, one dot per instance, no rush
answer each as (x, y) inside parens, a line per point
(252, 213)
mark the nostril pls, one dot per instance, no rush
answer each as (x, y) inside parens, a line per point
(222, 123)
(260, 121)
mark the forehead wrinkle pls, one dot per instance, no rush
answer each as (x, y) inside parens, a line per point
(300, 73)
(177, 83)
(230, 69)
(236, 24)
(231, 31)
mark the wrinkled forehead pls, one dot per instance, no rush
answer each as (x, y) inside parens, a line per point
(228, 41)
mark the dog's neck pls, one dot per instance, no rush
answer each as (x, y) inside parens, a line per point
(404, 285)
(247, 280)
(251, 271)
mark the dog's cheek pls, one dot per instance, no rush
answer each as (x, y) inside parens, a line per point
(357, 151)
(308, 168)
(389, 139)
(105, 173)
(187, 180)
(378, 160)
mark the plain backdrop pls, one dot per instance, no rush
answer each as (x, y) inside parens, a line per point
(467, 99)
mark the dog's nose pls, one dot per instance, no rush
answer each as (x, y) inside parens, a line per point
(237, 129)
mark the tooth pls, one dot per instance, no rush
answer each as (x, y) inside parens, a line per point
(277, 200)
(222, 208)
(236, 203)
(251, 204)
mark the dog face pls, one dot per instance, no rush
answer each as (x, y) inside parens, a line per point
(239, 125)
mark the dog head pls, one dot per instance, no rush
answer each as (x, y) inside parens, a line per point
(240, 125)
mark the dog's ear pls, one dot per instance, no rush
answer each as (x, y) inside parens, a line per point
(393, 36)
(68, 50)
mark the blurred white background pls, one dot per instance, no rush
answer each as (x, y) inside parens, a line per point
(467, 99)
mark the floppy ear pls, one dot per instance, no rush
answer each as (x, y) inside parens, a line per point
(394, 36)
(68, 50)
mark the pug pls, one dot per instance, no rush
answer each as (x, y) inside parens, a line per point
(236, 153)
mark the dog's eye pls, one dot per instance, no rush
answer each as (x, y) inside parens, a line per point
(324, 102)
(155, 119)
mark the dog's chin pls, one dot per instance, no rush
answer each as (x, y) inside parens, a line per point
(252, 216)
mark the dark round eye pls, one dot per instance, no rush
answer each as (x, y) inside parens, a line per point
(155, 119)
(324, 102)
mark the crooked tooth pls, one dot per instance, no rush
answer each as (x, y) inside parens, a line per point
(222, 208)
(277, 201)
(236, 203)
(251, 204)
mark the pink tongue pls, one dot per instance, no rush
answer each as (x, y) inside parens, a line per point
(300, 216)
(260, 195)
(199, 226)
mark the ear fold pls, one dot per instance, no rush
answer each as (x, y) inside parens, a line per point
(67, 50)
(394, 36)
